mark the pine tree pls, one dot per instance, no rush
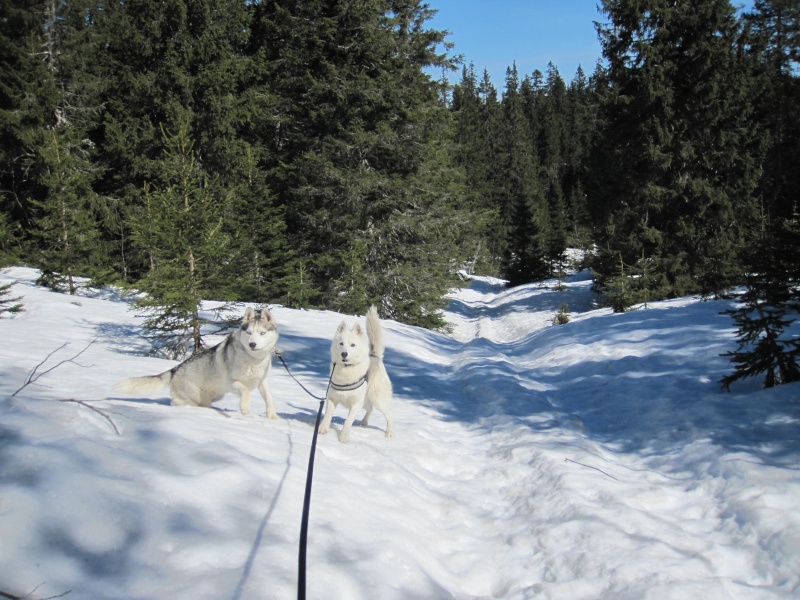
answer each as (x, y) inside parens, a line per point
(67, 225)
(29, 100)
(581, 130)
(552, 159)
(59, 155)
(682, 162)
(355, 123)
(186, 62)
(181, 231)
(774, 28)
(475, 110)
(522, 202)
(767, 308)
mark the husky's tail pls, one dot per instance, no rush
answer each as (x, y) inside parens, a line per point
(144, 385)
(375, 333)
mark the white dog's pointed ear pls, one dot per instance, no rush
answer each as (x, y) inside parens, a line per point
(248, 314)
(342, 327)
(357, 329)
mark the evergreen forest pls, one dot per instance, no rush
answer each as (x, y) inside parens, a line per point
(299, 152)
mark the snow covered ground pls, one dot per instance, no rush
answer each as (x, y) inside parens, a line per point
(597, 459)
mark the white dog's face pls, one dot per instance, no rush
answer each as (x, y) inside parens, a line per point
(350, 346)
(258, 330)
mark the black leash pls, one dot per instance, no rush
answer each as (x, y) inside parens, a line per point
(285, 366)
(301, 567)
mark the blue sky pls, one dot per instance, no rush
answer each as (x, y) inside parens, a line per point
(493, 34)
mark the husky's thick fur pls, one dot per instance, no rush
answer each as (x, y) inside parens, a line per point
(238, 364)
(359, 377)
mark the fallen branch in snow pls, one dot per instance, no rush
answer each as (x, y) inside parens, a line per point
(32, 376)
(591, 467)
(29, 597)
(95, 409)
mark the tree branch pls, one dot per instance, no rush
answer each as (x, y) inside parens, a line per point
(95, 409)
(32, 376)
(28, 596)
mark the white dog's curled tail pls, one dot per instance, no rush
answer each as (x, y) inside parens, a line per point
(375, 333)
(144, 385)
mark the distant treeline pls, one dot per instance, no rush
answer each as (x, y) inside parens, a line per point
(296, 151)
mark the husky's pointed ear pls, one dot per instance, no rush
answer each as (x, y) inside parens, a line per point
(342, 327)
(248, 314)
(357, 329)
(267, 316)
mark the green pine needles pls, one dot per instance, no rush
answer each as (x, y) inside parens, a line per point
(180, 230)
(768, 307)
(301, 153)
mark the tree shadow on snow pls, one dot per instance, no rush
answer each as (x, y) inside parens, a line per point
(646, 396)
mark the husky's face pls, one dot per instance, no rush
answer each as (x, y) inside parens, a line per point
(258, 330)
(350, 346)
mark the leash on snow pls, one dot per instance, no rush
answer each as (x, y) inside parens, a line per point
(301, 559)
(305, 389)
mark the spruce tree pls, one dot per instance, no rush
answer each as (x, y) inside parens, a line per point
(475, 140)
(768, 306)
(774, 44)
(67, 226)
(581, 130)
(552, 159)
(59, 156)
(180, 230)
(681, 145)
(29, 102)
(354, 126)
(522, 201)
(187, 62)
(27, 96)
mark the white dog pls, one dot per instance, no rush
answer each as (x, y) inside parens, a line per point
(359, 378)
(238, 364)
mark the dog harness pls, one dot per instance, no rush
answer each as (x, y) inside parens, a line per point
(349, 387)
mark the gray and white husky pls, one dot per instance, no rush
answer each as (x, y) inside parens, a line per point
(238, 364)
(359, 377)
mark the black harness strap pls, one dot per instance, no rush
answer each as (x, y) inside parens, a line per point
(349, 387)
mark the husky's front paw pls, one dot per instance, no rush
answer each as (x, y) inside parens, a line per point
(244, 408)
(272, 414)
(323, 429)
(344, 436)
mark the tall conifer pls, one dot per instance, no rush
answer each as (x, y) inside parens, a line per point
(180, 229)
(523, 204)
(354, 128)
(476, 122)
(681, 169)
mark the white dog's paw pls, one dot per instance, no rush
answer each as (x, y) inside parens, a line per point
(344, 437)
(322, 430)
(272, 415)
(245, 409)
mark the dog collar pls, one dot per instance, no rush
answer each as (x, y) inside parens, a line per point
(349, 387)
